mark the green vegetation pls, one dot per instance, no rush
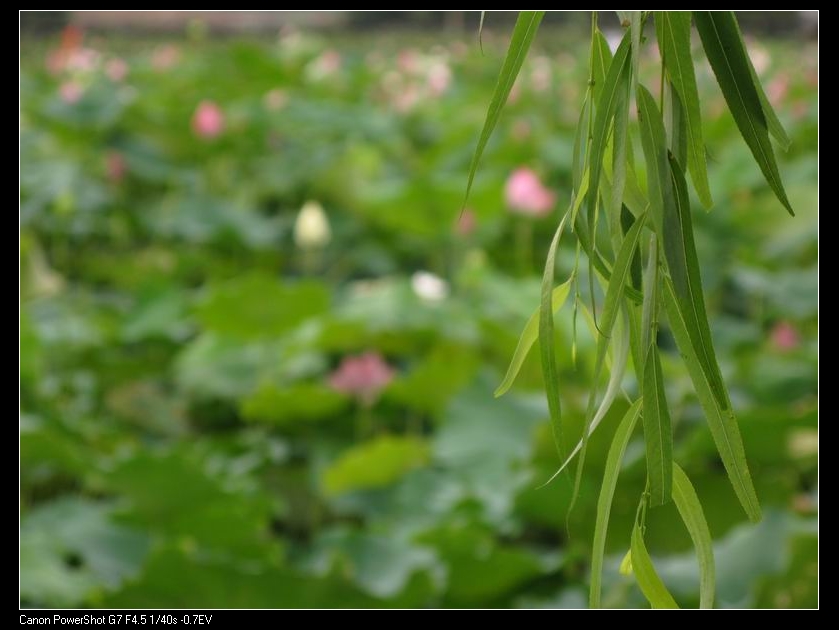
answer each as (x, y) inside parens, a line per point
(230, 402)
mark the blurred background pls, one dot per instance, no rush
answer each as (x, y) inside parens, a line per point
(259, 341)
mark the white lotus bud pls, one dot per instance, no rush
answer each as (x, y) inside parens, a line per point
(311, 229)
(429, 287)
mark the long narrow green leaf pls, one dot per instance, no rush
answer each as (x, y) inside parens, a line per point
(654, 143)
(615, 81)
(523, 33)
(649, 313)
(720, 418)
(601, 57)
(642, 565)
(683, 263)
(578, 161)
(776, 129)
(633, 197)
(529, 336)
(620, 139)
(727, 55)
(626, 221)
(684, 496)
(658, 435)
(599, 264)
(676, 124)
(636, 28)
(607, 493)
(611, 304)
(673, 32)
(634, 313)
(617, 368)
(546, 337)
(614, 290)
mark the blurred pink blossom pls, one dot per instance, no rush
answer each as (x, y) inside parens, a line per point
(778, 88)
(525, 194)
(439, 78)
(208, 120)
(116, 69)
(83, 60)
(115, 166)
(407, 98)
(759, 55)
(521, 130)
(70, 92)
(515, 92)
(800, 109)
(165, 56)
(540, 75)
(325, 65)
(466, 222)
(363, 376)
(408, 61)
(785, 337)
(275, 100)
(71, 41)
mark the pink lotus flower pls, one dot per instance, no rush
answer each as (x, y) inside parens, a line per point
(208, 120)
(275, 100)
(466, 222)
(115, 166)
(408, 61)
(785, 337)
(116, 69)
(363, 376)
(70, 92)
(778, 88)
(439, 78)
(165, 56)
(526, 195)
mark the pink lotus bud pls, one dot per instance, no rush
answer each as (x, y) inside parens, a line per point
(208, 120)
(785, 337)
(70, 92)
(363, 376)
(116, 69)
(526, 195)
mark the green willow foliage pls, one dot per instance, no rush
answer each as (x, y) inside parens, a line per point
(640, 248)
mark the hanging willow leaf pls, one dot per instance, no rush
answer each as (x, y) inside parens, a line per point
(620, 139)
(523, 33)
(620, 357)
(614, 290)
(636, 28)
(683, 264)
(546, 337)
(658, 435)
(673, 32)
(727, 55)
(642, 565)
(649, 316)
(616, 80)
(720, 418)
(776, 129)
(607, 493)
(684, 496)
(626, 221)
(654, 143)
(611, 304)
(578, 161)
(529, 336)
(599, 264)
(676, 124)
(601, 57)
